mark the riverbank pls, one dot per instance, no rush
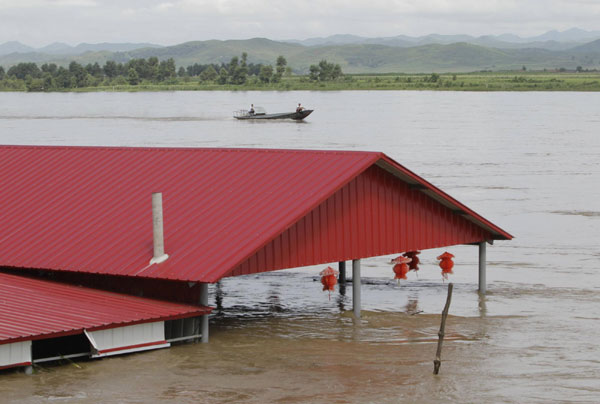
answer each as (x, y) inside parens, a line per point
(480, 81)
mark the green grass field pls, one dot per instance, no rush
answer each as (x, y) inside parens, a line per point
(483, 81)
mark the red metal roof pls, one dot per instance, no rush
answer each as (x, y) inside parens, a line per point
(374, 214)
(33, 309)
(88, 209)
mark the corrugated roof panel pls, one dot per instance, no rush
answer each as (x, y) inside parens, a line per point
(33, 308)
(323, 236)
(88, 209)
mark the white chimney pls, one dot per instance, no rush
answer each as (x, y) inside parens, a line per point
(157, 226)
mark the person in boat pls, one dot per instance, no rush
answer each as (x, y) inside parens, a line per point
(299, 108)
(251, 110)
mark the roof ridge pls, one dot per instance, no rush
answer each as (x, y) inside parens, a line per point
(191, 149)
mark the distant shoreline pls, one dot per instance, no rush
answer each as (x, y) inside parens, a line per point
(480, 81)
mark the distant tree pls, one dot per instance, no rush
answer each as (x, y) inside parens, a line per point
(279, 68)
(242, 73)
(314, 72)
(325, 71)
(79, 76)
(524, 68)
(34, 84)
(254, 69)
(48, 81)
(166, 69)
(22, 70)
(223, 76)
(110, 69)
(2, 73)
(238, 72)
(63, 78)
(336, 72)
(141, 68)
(133, 77)
(233, 66)
(266, 73)
(94, 69)
(579, 69)
(209, 74)
(181, 72)
(153, 69)
(49, 68)
(433, 78)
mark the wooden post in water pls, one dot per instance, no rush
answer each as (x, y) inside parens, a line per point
(438, 361)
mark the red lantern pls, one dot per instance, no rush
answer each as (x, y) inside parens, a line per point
(414, 264)
(329, 279)
(401, 267)
(446, 264)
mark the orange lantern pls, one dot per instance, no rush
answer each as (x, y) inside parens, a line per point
(414, 264)
(329, 279)
(401, 267)
(446, 264)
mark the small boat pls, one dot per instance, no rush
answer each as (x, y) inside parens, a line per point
(260, 113)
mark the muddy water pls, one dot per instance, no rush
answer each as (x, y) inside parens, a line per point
(528, 162)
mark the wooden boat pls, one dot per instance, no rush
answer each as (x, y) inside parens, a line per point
(260, 113)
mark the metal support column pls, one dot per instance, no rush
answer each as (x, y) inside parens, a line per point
(482, 259)
(204, 319)
(342, 275)
(356, 288)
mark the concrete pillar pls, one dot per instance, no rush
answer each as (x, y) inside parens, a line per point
(482, 247)
(356, 288)
(157, 229)
(342, 275)
(204, 319)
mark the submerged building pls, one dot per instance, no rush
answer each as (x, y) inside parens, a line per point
(152, 227)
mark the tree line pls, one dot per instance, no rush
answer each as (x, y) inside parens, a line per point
(50, 76)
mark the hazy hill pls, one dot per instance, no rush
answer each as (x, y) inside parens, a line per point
(60, 48)
(353, 58)
(14, 46)
(460, 57)
(551, 40)
(592, 47)
(260, 50)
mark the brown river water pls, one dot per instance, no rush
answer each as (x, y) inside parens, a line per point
(529, 162)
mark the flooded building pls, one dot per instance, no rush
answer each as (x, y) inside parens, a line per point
(161, 224)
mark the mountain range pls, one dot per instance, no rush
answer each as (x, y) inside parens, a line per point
(60, 48)
(439, 53)
(551, 40)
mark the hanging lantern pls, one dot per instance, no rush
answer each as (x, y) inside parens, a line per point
(401, 267)
(414, 264)
(446, 264)
(328, 279)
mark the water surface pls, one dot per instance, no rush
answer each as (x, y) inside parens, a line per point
(529, 162)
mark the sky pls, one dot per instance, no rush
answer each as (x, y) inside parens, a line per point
(168, 22)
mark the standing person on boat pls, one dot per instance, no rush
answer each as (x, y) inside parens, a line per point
(251, 111)
(300, 108)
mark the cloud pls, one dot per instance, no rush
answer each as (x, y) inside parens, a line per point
(176, 21)
(37, 4)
